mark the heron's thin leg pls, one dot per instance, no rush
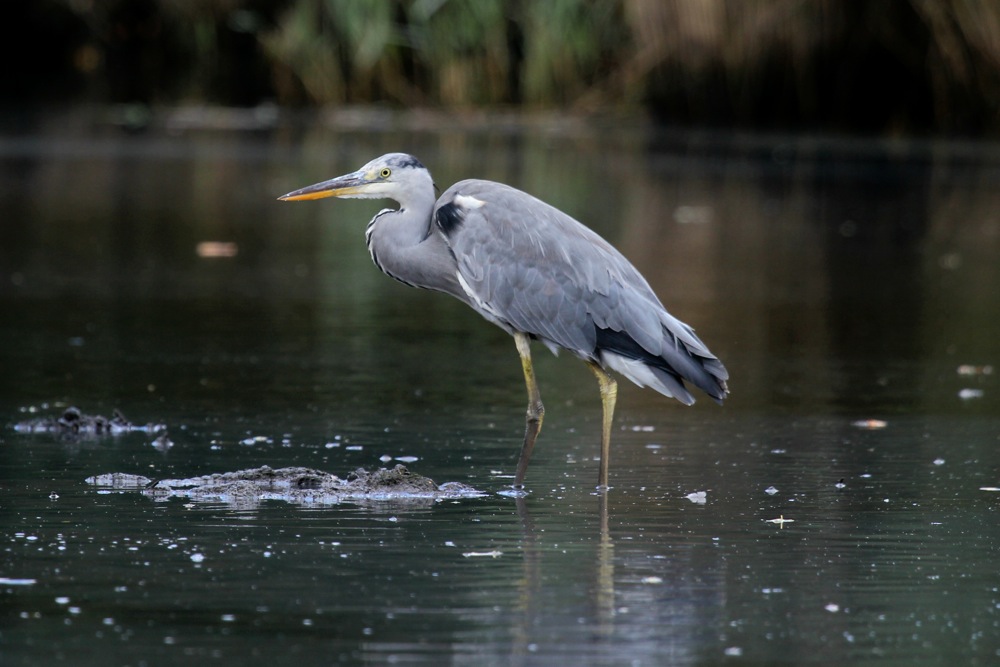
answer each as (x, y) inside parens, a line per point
(609, 394)
(536, 411)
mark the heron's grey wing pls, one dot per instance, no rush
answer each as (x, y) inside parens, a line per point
(532, 268)
(542, 272)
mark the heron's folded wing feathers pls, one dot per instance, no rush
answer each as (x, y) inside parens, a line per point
(537, 270)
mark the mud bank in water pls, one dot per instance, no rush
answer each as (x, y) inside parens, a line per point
(300, 486)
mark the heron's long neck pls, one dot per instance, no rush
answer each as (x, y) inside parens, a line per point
(404, 246)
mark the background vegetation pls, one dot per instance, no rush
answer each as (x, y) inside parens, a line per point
(887, 66)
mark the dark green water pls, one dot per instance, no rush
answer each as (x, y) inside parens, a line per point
(838, 282)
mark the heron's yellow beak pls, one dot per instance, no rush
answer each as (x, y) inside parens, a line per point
(349, 185)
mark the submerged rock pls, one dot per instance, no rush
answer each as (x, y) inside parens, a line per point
(300, 486)
(75, 424)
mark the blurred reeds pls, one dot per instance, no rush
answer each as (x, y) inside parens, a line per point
(881, 66)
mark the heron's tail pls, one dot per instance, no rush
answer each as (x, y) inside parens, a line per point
(683, 357)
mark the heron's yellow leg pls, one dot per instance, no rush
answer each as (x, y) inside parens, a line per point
(609, 394)
(536, 411)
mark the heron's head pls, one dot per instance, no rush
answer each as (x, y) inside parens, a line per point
(393, 176)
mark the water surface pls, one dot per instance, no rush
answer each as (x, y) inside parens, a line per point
(850, 288)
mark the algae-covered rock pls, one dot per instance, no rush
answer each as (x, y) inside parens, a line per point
(300, 486)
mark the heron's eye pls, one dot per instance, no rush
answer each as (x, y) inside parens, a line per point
(385, 172)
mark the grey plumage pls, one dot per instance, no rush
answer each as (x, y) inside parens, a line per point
(532, 270)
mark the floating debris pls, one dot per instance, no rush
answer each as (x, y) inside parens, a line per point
(75, 424)
(300, 486)
(698, 497)
(496, 553)
(162, 443)
(969, 393)
(970, 369)
(994, 489)
(217, 249)
(513, 493)
(781, 521)
(870, 424)
(385, 458)
(770, 490)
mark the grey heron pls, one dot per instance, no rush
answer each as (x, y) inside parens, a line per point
(536, 273)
